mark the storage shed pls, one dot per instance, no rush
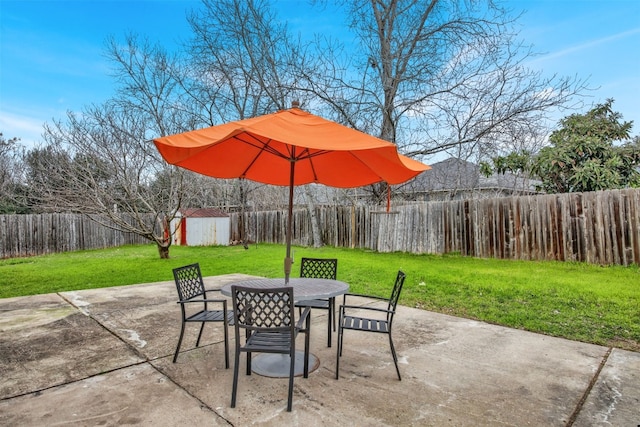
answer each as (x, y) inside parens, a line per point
(201, 227)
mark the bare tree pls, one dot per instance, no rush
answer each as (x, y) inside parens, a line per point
(147, 85)
(99, 164)
(241, 62)
(436, 76)
(102, 162)
(238, 59)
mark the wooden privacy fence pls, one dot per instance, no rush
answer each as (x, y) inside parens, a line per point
(38, 234)
(597, 227)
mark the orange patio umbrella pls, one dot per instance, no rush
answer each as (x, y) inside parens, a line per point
(289, 148)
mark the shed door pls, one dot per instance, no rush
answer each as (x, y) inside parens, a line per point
(183, 231)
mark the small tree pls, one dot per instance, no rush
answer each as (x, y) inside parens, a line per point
(583, 157)
(12, 190)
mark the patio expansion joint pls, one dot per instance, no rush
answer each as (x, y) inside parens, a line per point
(203, 404)
(145, 360)
(587, 392)
(103, 326)
(62, 384)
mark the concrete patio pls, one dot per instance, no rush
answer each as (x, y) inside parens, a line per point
(103, 357)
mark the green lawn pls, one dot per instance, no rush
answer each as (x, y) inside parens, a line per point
(578, 301)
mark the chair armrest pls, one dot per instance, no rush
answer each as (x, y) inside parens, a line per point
(223, 301)
(303, 317)
(344, 297)
(359, 307)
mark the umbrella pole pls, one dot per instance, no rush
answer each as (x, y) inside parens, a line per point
(288, 261)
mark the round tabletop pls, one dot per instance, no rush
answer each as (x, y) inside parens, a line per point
(303, 288)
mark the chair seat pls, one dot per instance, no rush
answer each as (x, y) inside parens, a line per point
(364, 324)
(269, 342)
(314, 303)
(210, 316)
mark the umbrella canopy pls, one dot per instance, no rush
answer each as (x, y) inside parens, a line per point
(289, 148)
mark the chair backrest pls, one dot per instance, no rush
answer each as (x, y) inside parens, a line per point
(189, 281)
(395, 293)
(271, 308)
(319, 268)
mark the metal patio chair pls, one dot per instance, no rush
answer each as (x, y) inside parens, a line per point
(267, 318)
(194, 306)
(321, 268)
(380, 323)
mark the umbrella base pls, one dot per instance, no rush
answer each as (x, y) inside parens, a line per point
(277, 365)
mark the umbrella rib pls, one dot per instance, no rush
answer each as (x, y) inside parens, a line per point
(266, 146)
(308, 155)
(261, 146)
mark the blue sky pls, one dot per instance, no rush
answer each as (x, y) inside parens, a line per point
(52, 51)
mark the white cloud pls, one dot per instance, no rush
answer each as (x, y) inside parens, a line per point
(28, 129)
(588, 45)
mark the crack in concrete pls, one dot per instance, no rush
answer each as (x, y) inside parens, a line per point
(587, 392)
(145, 360)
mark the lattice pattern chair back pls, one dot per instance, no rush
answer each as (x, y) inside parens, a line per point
(189, 281)
(264, 309)
(395, 295)
(319, 268)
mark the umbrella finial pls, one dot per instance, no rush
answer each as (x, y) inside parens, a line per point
(295, 104)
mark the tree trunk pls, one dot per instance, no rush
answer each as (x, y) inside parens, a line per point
(315, 227)
(163, 251)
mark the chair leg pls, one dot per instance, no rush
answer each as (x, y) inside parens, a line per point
(329, 325)
(175, 355)
(235, 378)
(292, 357)
(339, 349)
(200, 334)
(332, 304)
(338, 354)
(246, 338)
(306, 346)
(340, 337)
(395, 358)
(226, 345)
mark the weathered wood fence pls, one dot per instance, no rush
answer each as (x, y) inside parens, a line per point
(599, 227)
(38, 234)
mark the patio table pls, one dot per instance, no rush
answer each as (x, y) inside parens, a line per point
(277, 365)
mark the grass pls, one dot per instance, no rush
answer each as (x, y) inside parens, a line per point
(577, 301)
